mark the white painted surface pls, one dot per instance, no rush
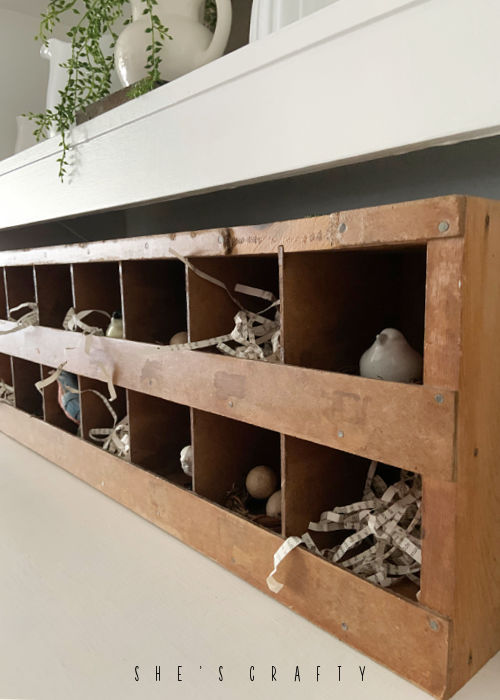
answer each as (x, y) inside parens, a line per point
(351, 82)
(88, 591)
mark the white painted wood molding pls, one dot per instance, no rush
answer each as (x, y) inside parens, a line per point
(357, 80)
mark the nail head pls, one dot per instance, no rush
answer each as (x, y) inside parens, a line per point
(443, 226)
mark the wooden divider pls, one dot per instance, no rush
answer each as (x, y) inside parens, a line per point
(334, 303)
(3, 295)
(224, 452)
(24, 376)
(93, 410)
(158, 431)
(154, 299)
(97, 286)
(54, 294)
(20, 287)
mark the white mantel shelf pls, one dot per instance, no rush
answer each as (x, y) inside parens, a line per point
(357, 80)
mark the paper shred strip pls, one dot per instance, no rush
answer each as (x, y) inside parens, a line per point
(53, 377)
(30, 318)
(115, 440)
(255, 336)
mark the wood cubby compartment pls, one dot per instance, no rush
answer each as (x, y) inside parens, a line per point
(52, 412)
(19, 287)
(27, 396)
(159, 430)
(335, 302)
(54, 294)
(93, 411)
(96, 285)
(318, 478)
(154, 299)
(6, 368)
(210, 310)
(225, 450)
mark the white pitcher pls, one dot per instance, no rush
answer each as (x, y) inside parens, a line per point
(192, 43)
(56, 52)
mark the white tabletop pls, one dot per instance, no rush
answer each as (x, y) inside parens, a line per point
(89, 591)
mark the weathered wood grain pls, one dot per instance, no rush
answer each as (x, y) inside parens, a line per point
(405, 425)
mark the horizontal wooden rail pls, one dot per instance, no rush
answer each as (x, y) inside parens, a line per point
(393, 224)
(404, 425)
(400, 634)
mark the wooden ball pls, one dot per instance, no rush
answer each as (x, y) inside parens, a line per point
(273, 505)
(261, 482)
(179, 338)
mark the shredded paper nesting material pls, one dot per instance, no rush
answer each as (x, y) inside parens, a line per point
(115, 440)
(386, 538)
(254, 336)
(6, 393)
(30, 318)
(73, 321)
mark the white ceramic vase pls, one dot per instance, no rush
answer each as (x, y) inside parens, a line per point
(56, 52)
(270, 15)
(24, 137)
(192, 43)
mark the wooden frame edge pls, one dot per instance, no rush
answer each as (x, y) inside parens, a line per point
(402, 223)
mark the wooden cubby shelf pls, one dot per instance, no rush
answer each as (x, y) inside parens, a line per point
(159, 430)
(54, 293)
(154, 300)
(225, 451)
(429, 268)
(335, 303)
(96, 285)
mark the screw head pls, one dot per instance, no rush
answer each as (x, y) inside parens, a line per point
(230, 403)
(443, 226)
(433, 625)
(439, 398)
(342, 227)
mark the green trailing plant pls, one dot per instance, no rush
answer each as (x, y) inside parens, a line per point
(90, 67)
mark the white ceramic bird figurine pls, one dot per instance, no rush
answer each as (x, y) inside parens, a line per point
(187, 460)
(391, 358)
